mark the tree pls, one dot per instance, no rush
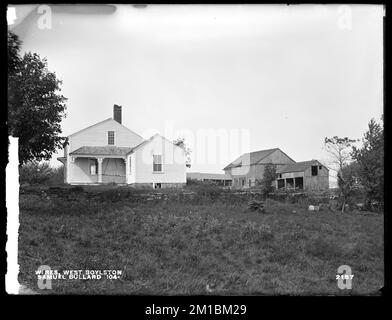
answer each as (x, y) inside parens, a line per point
(13, 52)
(339, 150)
(370, 159)
(181, 143)
(347, 179)
(269, 176)
(35, 107)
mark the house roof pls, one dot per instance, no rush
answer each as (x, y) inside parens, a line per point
(210, 176)
(298, 167)
(102, 151)
(93, 125)
(149, 140)
(111, 150)
(254, 157)
(98, 123)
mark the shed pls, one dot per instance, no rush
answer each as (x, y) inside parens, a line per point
(305, 175)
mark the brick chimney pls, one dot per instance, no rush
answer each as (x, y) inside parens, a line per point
(117, 113)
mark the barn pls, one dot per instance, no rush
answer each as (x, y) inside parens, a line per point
(306, 175)
(249, 167)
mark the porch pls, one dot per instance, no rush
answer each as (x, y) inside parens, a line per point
(290, 183)
(98, 165)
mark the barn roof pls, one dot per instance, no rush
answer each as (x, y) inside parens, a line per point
(101, 151)
(210, 176)
(254, 157)
(298, 167)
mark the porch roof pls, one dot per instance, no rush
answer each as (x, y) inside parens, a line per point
(62, 159)
(101, 151)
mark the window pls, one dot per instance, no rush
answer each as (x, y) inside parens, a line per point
(130, 165)
(158, 186)
(320, 167)
(250, 182)
(93, 168)
(314, 170)
(280, 175)
(157, 163)
(111, 137)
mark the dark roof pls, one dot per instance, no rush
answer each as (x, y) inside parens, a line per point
(209, 176)
(298, 167)
(102, 151)
(251, 158)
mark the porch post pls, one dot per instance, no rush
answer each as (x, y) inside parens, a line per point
(99, 169)
(126, 169)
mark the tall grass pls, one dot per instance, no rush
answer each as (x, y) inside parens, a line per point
(171, 247)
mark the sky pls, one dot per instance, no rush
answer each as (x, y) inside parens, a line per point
(254, 76)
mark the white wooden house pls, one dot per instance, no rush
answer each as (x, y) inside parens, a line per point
(109, 152)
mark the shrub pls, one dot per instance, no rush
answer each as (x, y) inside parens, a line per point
(208, 191)
(34, 172)
(76, 189)
(116, 194)
(56, 176)
(269, 177)
(255, 205)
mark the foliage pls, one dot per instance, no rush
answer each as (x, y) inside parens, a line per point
(207, 190)
(35, 107)
(34, 172)
(181, 143)
(13, 52)
(339, 150)
(370, 159)
(269, 176)
(256, 205)
(348, 179)
(56, 176)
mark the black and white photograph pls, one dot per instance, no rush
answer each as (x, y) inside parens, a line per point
(195, 150)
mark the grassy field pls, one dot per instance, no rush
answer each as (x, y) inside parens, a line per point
(170, 247)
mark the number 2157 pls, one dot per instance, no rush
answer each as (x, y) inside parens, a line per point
(344, 276)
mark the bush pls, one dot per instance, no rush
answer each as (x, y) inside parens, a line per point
(116, 194)
(56, 176)
(208, 191)
(34, 172)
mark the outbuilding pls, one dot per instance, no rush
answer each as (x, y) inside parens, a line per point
(305, 175)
